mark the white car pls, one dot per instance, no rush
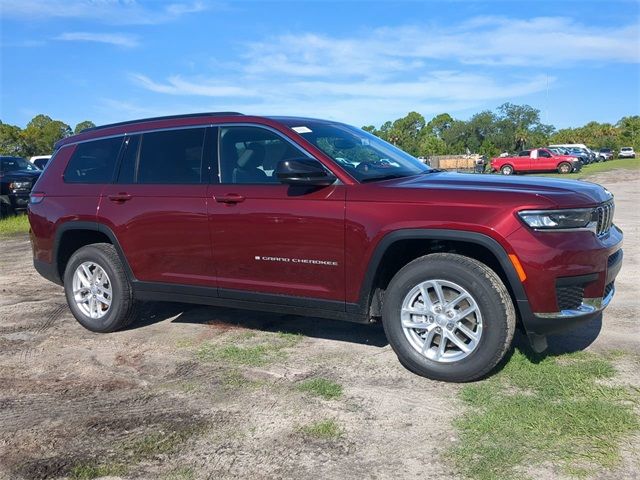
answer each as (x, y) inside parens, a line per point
(627, 152)
(40, 161)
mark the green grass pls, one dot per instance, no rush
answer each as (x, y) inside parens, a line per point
(324, 430)
(557, 411)
(14, 225)
(258, 350)
(87, 471)
(321, 387)
(132, 452)
(593, 168)
(157, 443)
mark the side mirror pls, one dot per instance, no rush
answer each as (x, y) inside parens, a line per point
(303, 171)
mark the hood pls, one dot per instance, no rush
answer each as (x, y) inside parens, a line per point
(26, 174)
(509, 189)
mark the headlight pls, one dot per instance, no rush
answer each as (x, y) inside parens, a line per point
(558, 219)
(19, 185)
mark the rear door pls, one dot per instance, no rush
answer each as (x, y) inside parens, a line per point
(268, 238)
(157, 207)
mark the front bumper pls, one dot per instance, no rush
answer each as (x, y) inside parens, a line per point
(570, 277)
(17, 201)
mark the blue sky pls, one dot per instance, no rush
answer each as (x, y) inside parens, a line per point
(362, 62)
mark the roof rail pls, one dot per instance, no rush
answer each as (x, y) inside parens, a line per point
(168, 117)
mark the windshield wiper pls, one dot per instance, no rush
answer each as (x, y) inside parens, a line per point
(381, 177)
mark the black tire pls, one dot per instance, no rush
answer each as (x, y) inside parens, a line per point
(6, 210)
(565, 167)
(493, 301)
(506, 170)
(122, 310)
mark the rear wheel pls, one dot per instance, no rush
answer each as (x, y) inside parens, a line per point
(507, 170)
(448, 317)
(97, 289)
(564, 167)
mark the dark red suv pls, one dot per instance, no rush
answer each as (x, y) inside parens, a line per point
(319, 218)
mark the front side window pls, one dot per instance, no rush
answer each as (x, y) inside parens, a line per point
(365, 157)
(168, 157)
(250, 155)
(543, 153)
(93, 161)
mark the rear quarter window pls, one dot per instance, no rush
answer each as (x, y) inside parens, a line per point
(93, 161)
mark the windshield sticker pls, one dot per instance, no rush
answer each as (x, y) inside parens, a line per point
(301, 129)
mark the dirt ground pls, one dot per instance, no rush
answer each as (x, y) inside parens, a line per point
(166, 398)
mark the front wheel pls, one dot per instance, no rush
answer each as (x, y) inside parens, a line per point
(507, 170)
(448, 317)
(97, 289)
(564, 168)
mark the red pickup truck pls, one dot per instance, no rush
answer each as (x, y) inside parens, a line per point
(536, 160)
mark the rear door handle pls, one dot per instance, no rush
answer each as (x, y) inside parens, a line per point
(229, 198)
(120, 197)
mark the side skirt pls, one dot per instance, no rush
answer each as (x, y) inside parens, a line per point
(309, 307)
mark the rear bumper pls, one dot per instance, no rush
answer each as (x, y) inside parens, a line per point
(47, 270)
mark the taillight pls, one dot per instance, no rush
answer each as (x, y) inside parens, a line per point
(36, 197)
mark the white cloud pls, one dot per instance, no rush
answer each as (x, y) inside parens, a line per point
(122, 12)
(177, 86)
(371, 76)
(118, 39)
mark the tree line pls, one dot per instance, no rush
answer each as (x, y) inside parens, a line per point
(509, 128)
(38, 137)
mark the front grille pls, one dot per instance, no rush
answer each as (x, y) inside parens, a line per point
(607, 289)
(603, 216)
(570, 298)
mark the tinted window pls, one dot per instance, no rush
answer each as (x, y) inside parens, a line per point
(93, 162)
(129, 160)
(41, 163)
(543, 153)
(524, 153)
(173, 156)
(12, 164)
(251, 154)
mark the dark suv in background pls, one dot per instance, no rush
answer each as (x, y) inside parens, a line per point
(319, 218)
(17, 176)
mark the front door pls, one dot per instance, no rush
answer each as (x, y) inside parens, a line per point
(270, 239)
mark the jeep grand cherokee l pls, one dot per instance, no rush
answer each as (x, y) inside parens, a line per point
(319, 218)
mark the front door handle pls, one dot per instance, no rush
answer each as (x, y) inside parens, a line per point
(229, 198)
(120, 197)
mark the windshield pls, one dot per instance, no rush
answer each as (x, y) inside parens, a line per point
(11, 164)
(365, 157)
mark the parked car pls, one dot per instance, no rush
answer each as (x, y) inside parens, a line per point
(578, 149)
(627, 152)
(605, 154)
(40, 161)
(536, 160)
(256, 212)
(17, 176)
(584, 158)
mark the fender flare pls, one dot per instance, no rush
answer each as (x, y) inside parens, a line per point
(92, 226)
(366, 289)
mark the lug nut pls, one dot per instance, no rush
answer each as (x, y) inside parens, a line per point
(450, 326)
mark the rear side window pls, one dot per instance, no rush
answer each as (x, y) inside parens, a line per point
(93, 162)
(171, 157)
